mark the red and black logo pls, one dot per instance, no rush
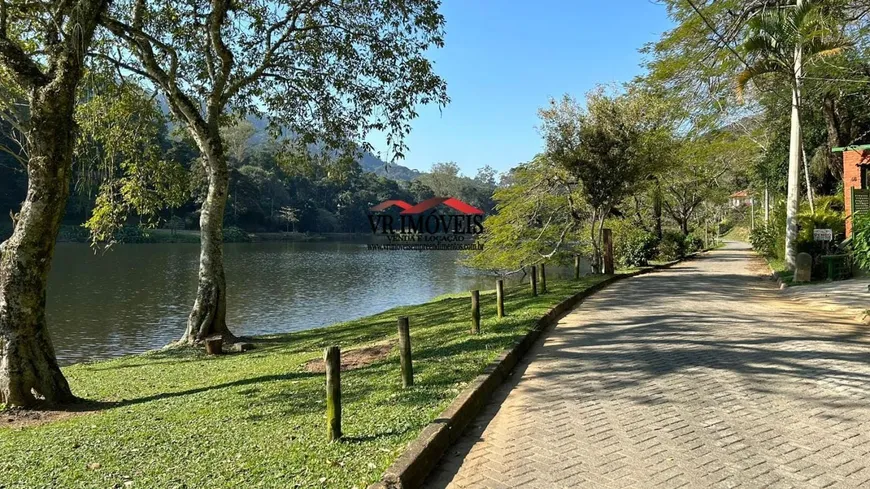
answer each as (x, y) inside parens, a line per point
(427, 217)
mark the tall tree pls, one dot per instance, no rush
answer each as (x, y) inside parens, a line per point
(602, 148)
(326, 72)
(42, 56)
(782, 40)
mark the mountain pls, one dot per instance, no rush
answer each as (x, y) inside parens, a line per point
(372, 164)
(369, 162)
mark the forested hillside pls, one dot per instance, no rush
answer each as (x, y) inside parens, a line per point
(271, 189)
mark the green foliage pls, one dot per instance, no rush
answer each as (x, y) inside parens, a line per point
(263, 409)
(828, 215)
(532, 220)
(861, 240)
(764, 241)
(632, 246)
(73, 233)
(692, 243)
(118, 130)
(672, 245)
(233, 234)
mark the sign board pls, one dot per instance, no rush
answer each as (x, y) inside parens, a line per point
(823, 235)
(860, 200)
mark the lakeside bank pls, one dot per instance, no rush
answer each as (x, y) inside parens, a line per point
(179, 418)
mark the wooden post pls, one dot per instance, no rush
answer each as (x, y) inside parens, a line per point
(499, 297)
(214, 345)
(576, 267)
(405, 352)
(332, 359)
(534, 281)
(608, 251)
(543, 278)
(475, 311)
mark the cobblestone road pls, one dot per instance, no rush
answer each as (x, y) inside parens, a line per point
(698, 376)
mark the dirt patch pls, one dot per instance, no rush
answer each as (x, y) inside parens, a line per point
(757, 266)
(354, 359)
(25, 418)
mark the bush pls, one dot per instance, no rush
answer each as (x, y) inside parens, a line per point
(693, 243)
(672, 246)
(73, 233)
(764, 241)
(235, 234)
(634, 247)
(861, 240)
(827, 216)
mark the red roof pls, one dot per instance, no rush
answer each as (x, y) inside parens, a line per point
(742, 193)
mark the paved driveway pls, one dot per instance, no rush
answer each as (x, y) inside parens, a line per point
(698, 376)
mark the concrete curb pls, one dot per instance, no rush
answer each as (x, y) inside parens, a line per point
(422, 454)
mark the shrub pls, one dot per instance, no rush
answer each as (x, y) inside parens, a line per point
(634, 247)
(235, 234)
(861, 240)
(827, 216)
(672, 246)
(764, 241)
(693, 243)
(72, 233)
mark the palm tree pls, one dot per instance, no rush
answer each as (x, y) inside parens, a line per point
(783, 40)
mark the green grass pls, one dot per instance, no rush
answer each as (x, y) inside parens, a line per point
(740, 232)
(780, 269)
(182, 419)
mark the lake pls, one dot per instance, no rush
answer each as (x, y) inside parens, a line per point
(136, 298)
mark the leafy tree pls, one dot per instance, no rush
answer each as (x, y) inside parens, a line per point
(42, 46)
(290, 216)
(321, 71)
(698, 177)
(536, 219)
(119, 126)
(601, 149)
(445, 179)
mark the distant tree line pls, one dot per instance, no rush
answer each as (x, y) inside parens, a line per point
(270, 188)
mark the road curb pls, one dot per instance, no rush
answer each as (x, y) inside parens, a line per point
(422, 454)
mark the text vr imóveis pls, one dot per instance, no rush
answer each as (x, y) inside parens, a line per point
(430, 224)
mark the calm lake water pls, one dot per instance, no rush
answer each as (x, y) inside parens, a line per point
(137, 297)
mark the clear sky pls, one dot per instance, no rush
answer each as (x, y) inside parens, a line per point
(504, 59)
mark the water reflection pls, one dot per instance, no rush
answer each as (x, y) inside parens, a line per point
(137, 297)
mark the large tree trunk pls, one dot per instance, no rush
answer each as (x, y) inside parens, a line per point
(209, 314)
(835, 138)
(28, 368)
(794, 160)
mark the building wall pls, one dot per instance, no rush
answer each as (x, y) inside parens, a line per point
(852, 161)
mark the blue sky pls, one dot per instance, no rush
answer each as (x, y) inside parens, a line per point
(504, 59)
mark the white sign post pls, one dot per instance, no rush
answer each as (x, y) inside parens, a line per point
(823, 235)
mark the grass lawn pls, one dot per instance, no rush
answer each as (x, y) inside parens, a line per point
(780, 269)
(180, 419)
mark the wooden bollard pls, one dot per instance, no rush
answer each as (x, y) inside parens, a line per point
(475, 311)
(534, 281)
(332, 359)
(543, 278)
(405, 352)
(499, 297)
(576, 267)
(214, 344)
(608, 251)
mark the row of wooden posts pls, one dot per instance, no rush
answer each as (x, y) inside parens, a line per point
(332, 355)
